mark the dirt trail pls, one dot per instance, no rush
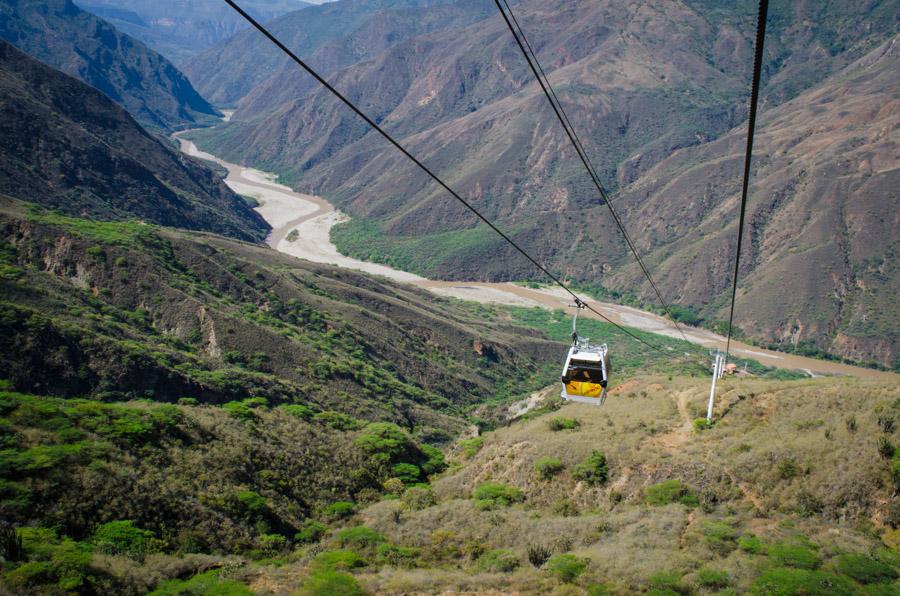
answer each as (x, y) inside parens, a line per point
(676, 438)
(312, 218)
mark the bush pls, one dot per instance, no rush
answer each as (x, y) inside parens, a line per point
(471, 446)
(418, 497)
(669, 491)
(701, 424)
(339, 510)
(491, 495)
(719, 536)
(239, 410)
(310, 531)
(122, 538)
(559, 423)
(538, 554)
(299, 410)
(384, 441)
(750, 544)
(271, 544)
(434, 462)
(593, 471)
(566, 568)
(864, 569)
(565, 508)
(397, 556)
(713, 578)
(786, 582)
(331, 560)
(204, 584)
(548, 467)
(793, 554)
(332, 583)
(336, 420)
(666, 582)
(407, 473)
(498, 561)
(393, 486)
(359, 536)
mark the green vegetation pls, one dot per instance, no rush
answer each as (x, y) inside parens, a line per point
(548, 467)
(669, 491)
(205, 584)
(786, 581)
(496, 495)
(566, 567)
(593, 471)
(471, 446)
(331, 583)
(498, 561)
(559, 423)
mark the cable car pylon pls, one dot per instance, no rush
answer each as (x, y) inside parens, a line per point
(718, 370)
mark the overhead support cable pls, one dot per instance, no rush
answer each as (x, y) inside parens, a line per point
(751, 128)
(531, 57)
(578, 301)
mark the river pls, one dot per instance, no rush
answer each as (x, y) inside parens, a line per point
(312, 218)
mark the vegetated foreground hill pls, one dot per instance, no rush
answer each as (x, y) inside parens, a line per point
(179, 30)
(140, 80)
(790, 491)
(126, 310)
(65, 145)
(636, 93)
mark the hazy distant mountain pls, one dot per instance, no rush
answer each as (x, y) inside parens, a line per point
(332, 35)
(179, 29)
(143, 82)
(639, 82)
(65, 145)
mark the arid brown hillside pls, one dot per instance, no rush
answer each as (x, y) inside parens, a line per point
(640, 82)
(128, 72)
(65, 145)
(823, 220)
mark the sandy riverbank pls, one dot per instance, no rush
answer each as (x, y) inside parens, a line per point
(312, 218)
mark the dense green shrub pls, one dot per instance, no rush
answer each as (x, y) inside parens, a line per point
(407, 473)
(338, 559)
(566, 567)
(204, 584)
(498, 561)
(359, 537)
(471, 446)
(384, 441)
(339, 510)
(701, 424)
(788, 582)
(548, 467)
(60, 562)
(559, 423)
(493, 495)
(239, 410)
(865, 570)
(435, 462)
(750, 544)
(337, 420)
(271, 544)
(396, 556)
(794, 554)
(669, 491)
(666, 583)
(122, 538)
(310, 531)
(331, 583)
(594, 470)
(719, 536)
(299, 410)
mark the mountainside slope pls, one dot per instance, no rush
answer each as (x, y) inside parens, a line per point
(65, 145)
(129, 310)
(637, 93)
(78, 43)
(179, 30)
(820, 265)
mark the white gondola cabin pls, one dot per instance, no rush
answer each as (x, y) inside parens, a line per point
(586, 373)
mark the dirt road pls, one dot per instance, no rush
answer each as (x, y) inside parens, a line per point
(312, 217)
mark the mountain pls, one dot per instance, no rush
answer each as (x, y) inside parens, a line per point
(820, 263)
(147, 85)
(178, 30)
(332, 36)
(65, 145)
(636, 92)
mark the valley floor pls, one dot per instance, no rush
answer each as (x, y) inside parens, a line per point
(301, 224)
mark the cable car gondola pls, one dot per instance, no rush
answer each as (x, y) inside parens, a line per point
(586, 371)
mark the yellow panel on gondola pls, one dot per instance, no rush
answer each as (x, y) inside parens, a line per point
(584, 389)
